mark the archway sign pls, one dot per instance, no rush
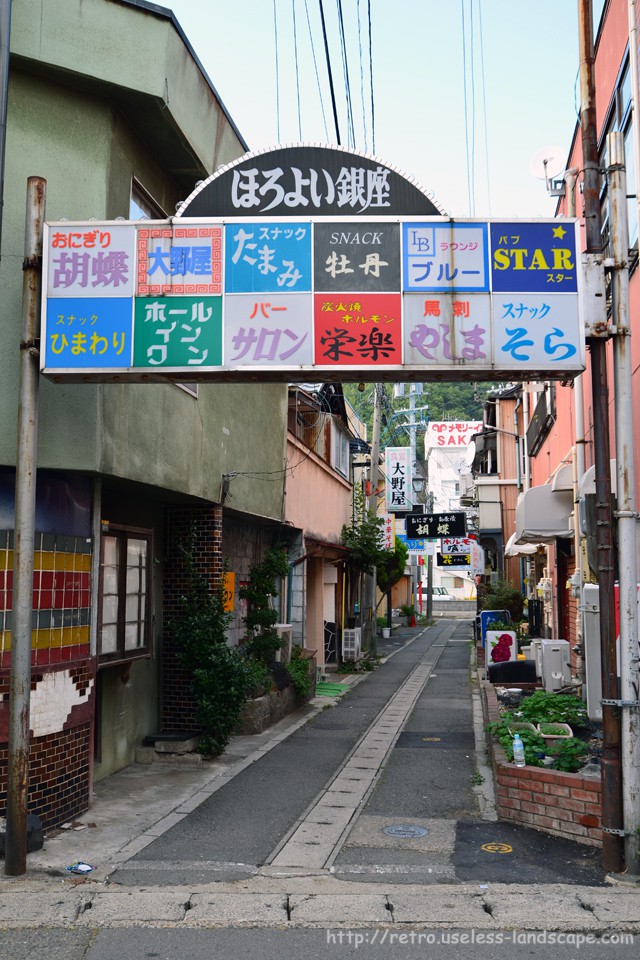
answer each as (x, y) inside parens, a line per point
(305, 263)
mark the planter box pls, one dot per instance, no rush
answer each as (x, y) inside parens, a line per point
(568, 732)
(562, 804)
(519, 725)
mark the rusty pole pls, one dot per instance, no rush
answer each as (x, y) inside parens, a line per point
(24, 535)
(612, 846)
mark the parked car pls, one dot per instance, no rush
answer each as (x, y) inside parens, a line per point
(437, 593)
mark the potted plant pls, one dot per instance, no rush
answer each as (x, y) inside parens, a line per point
(384, 627)
(408, 611)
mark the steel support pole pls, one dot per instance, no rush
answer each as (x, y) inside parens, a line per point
(368, 618)
(626, 495)
(24, 535)
(612, 847)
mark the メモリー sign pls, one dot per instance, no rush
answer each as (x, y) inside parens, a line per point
(305, 263)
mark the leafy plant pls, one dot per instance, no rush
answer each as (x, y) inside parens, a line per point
(219, 674)
(299, 670)
(502, 595)
(408, 610)
(534, 745)
(363, 538)
(569, 754)
(391, 566)
(261, 618)
(553, 729)
(543, 707)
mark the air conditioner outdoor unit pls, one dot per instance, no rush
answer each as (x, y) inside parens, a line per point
(556, 666)
(351, 643)
(536, 653)
(285, 632)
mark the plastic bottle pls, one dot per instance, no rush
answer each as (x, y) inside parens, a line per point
(518, 751)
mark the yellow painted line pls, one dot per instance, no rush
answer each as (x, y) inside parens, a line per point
(496, 848)
(431, 739)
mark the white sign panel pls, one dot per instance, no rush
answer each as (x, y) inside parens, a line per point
(398, 473)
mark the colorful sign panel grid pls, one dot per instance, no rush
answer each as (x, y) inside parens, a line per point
(152, 299)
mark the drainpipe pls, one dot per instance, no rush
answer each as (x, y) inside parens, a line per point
(570, 178)
(627, 516)
(598, 333)
(5, 36)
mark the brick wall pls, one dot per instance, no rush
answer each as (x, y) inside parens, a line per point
(177, 706)
(58, 775)
(564, 804)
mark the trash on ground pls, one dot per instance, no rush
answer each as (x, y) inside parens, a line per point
(80, 867)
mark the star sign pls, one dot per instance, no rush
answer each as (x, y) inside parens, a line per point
(559, 232)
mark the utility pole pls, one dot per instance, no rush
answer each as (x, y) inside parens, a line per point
(598, 333)
(369, 587)
(626, 512)
(24, 536)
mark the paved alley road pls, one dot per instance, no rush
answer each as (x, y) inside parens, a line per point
(369, 819)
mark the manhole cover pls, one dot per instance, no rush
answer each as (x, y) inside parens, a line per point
(405, 830)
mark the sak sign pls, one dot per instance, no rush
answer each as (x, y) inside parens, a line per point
(310, 263)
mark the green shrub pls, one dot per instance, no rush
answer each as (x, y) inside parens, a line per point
(534, 745)
(502, 595)
(299, 670)
(543, 707)
(262, 639)
(569, 754)
(220, 686)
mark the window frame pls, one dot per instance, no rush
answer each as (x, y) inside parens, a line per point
(121, 654)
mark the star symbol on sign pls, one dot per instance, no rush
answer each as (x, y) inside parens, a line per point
(559, 232)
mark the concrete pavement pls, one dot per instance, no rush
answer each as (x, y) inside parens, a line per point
(139, 806)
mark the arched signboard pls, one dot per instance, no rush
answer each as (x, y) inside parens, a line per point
(311, 263)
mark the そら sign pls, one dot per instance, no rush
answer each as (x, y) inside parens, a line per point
(258, 279)
(435, 525)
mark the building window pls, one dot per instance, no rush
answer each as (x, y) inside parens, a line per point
(142, 205)
(124, 629)
(339, 451)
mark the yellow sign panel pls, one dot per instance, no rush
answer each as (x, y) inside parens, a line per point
(228, 590)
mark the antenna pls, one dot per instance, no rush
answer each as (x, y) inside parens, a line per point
(546, 164)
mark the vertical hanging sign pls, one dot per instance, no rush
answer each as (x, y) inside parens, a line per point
(398, 470)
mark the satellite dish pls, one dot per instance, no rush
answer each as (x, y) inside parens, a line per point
(547, 163)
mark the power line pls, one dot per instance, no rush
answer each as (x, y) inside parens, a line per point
(328, 59)
(295, 50)
(315, 67)
(364, 115)
(347, 83)
(275, 36)
(373, 114)
(484, 108)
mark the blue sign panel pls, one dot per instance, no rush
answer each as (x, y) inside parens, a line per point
(417, 546)
(489, 617)
(88, 333)
(445, 256)
(533, 257)
(267, 257)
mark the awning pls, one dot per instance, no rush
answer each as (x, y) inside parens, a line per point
(543, 515)
(588, 484)
(513, 549)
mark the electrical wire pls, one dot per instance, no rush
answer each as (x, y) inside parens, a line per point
(464, 89)
(373, 112)
(484, 108)
(315, 67)
(330, 74)
(347, 83)
(295, 50)
(275, 37)
(362, 97)
(472, 66)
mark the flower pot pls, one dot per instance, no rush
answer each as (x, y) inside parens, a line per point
(386, 633)
(566, 731)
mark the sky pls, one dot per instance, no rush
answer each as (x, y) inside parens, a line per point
(466, 128)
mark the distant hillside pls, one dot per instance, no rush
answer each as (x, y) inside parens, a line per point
(446, 401)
